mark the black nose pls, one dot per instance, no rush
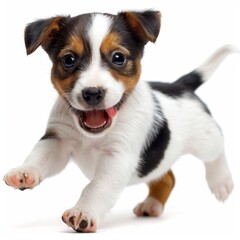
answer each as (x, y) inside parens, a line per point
(93, 95)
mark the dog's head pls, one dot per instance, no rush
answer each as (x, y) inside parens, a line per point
(96, 60)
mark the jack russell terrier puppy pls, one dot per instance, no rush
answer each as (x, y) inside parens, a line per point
(119, 130)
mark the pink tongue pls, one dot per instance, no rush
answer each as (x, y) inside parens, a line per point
(111, 112)
(95, 119)
(98, 118)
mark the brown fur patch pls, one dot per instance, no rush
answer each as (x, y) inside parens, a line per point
(64, 85)
(138, 25)
(111, 44)
(134, 23)
(54, 26)
(61, 79)
(162, 188)
(75, 45)
(46, 35)
(129, 81)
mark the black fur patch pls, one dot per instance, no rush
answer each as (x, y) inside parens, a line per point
(169, 89)
(154, 153)
(187, 83)
(190, 82)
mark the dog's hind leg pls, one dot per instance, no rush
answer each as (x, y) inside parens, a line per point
(208, 145)
(159, 192)
(219, 177)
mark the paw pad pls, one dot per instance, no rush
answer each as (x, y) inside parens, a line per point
(22, 179)
(79, 221)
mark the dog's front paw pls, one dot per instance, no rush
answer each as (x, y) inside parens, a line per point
(79, 220)
(150, 207)
(22, 179)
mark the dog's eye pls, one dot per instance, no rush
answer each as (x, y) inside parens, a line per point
(118, 58)
(68, 61)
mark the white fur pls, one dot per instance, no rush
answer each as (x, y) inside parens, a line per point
(96, 75)
(110, 161)
(208, 67)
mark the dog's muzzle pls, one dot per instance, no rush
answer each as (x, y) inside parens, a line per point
(95, 119)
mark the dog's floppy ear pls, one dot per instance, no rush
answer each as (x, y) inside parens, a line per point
(42, 33)
(145, 24)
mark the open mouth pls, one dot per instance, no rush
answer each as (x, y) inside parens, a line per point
(96, 120)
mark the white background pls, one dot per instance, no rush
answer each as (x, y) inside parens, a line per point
(190, 31)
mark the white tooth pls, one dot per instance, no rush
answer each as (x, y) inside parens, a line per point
(96, 127)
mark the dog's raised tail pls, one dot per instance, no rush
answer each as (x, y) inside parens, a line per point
(194, 79)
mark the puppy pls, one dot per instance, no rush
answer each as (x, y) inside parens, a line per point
(118, 130)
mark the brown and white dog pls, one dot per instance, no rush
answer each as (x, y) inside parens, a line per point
(119, 130)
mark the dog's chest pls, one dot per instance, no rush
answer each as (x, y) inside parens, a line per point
(87, 157)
